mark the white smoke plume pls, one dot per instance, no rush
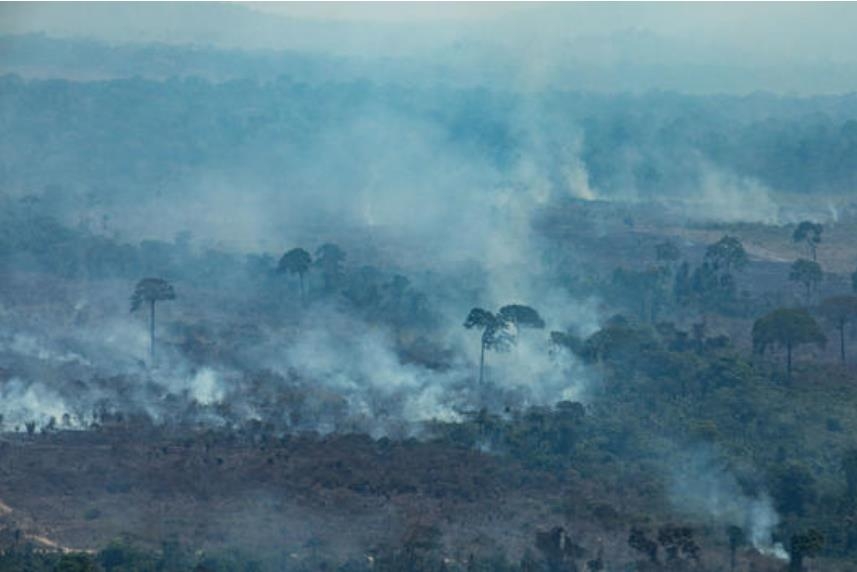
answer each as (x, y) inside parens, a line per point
(22, 402)
(701, 486)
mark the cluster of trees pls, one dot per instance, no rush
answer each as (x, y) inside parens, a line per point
(499, 330)
(714, 282)
(670, 285)
(676, 542)
(789, 328)
(381, 298)
(663, 381)
(378, 297)
(804, 271)
(328, 259)
(673, 287)
(35, 239)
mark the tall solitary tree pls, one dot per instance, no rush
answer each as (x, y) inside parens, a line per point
(808, 273)
(808, 233)
(737, 538)
(839, 311)
(495, 333)
(148, 291)
(499, 330)
(786, 328)
(296, 261)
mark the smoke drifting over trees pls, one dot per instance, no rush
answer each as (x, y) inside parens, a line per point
(397, 300)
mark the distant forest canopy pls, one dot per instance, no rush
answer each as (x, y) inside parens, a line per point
(140, 136)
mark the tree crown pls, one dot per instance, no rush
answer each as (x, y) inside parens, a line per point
(839, 309)
(295, 261)
(726, 254)
(804, 271)
(808, 231)
(151, 290)
(786, 327)
(521, 315)
(497, 333)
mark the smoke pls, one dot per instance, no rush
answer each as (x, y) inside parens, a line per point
(334, 352)
(22, 403)
(358, 362)
(445, 194)
(701, 486)
(328, 370)
(378, 176)
(723, 197)
(398, 190)
(205, 388)
(394, 191)
(30, 346)
(690, 186)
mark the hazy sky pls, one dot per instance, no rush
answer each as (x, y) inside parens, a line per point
(803, 47)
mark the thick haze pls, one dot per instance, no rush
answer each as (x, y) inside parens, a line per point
(805, 48)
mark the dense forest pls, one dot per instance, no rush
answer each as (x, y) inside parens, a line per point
(141, 132)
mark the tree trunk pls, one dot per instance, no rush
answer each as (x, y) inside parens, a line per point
(796, 563)
(301, 278)
(789, 361)
(653, 308)
(481, 363)
(842, 340)
(152, 331)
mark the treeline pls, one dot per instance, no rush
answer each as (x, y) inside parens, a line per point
(133, 135)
